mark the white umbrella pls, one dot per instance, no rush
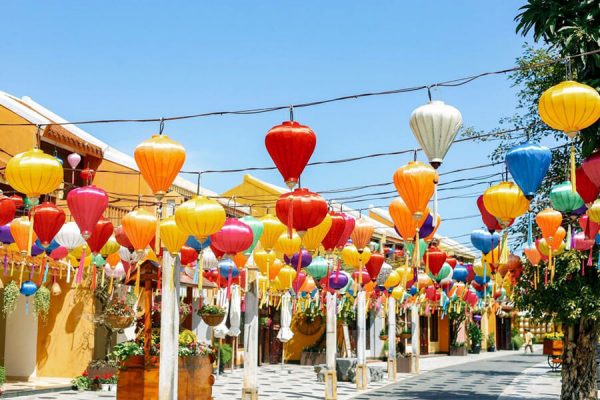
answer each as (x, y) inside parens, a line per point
(285, 333)
(221, 330)
(235, 312)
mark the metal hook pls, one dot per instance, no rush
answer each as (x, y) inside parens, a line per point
(415, 154)
(291, 112)
(429, 92)
(161, 126)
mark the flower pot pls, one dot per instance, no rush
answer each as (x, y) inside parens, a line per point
(458, 351)
(118, 321)
(405, 335)
(212, 319)
(475, 348)
(105, 387)
(406, 364)
(383, 337)
(112, 387)
(491, 349)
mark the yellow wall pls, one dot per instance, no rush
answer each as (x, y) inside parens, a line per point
(14, 139)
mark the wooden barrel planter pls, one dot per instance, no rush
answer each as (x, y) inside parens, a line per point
(553, 347)
(138, 378)
(405, 335)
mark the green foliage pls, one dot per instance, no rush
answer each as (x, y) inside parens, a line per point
(82, 383)
(312, 312)
(457, 315)
(517, 342)
(122, 351)
(475, 334)
(11, 295)
(491, 340)
(347, 313)
(568, 298)
(384, 331)
(2, 375)
(211, 310)
(225, 353)
(41, 302)
(186, 337)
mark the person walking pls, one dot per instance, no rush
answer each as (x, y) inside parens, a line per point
(528, 341)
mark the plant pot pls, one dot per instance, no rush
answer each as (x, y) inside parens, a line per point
(405, 335)
(312, 358)
(383, 337)
(105, 387)
(212, 319)
(491, 349)
(458, 351)
(118, 321)
(475, 348)
(134, 362)
(406, 364)
(112, 387)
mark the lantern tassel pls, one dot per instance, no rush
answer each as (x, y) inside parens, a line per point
(137, 279)
(5, 265)
(110, 285)
(94, 278)
(46, 272)
(69, 271)
(196, 273)
(569, 237)
(21, 275)
(529, 231)
(269, 271)
(200, 277)
(79, 277)
(573, 176)
(172, 277)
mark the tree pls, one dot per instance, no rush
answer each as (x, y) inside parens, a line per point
(565, 28)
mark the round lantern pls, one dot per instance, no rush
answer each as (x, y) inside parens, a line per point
(172, 238)
(234, 237)
(460, 273)
(28, 288)
(528, 164)
(314, 236)
(301, 210)
(122, 238)
(548, 220)
(374, 264)
(338, 280)
(591, 166)
(110, 247)
(435, 126)
(188, 255)
(564, 199)
(287, 245)
(570, 107)
(140, 228)
(287, 275)
(533, 255)
(257, 229)
(20, 230)
(34, 173)
(69, 236)
(272, 230)
(100, 235)
(490, 222)
(317, 268)
(415, 183)
(334, 234)
(544, 249)
(290, 146)
(587, 189)
(581, 242)
(87, 205)
(505, 201)
(8, 209)
(303, 256)
(349, 225)
(47, 221)
(594, 212)
(200, 217)
(18, 200)
(353, 258)
(159, 159)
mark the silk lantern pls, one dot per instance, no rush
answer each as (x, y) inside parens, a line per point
(290, 146)
(140, 227)
(257, 230)
(303, 257)
(528, 164)
(318, 268)
(69, 236)
(188, 255)
(488, 219)
(544, 248)
(581, 242)
(403, 219)
(87, 205)
(374, 264)
(18, 200)
(288, 245)
(301, 210)
(415, 183)
(234, 237)
(594, 211)
(287, 275)
(548, 220)
(272, 230)
(200, 217)
(20, 229)
(122, 238)
(587, 189)
(533, 255)
(589, 227)
(435, 258)
(8, 209)
(353, 258)
(172, 238)
(435, 126)
(334, 234)
(73, 159)
(349, 225)
(362, 233)
(564, 199)
(264, 260)
(591, 166)
(47, 221)
(314, 236)
(100, 235)
(110, 247)
(34, 173)
(505, 201)
(159, 160)
(338, 280)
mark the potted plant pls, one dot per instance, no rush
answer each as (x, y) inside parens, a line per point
(405, 334)
(119, 314)
(458, 349)
(112, 383)
(11, 295)
(491, 342)
(383, 334)
(41, 303)
(475, 337)
(553, 343)
(2, 379)
(102, 367)
(82, 382)
(128, 353)
(457, 314)
(314, 354)
(311, 321)
(105, 382)
(265, 322)
(212, 315)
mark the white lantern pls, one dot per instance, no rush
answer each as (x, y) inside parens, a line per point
(435, 126)
(69, 236)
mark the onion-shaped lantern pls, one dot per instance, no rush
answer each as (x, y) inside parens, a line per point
(564, 199)
(288, 245)
(505, 201)
(435, 126)
(47, 221)
(100, 235)
(301, 210)
(317, 268)
(272, 230)
(415, 183)
(140, 227)
(159, 159)
(87, 205)
(69, 236)
(172, 238)
(591, 166)
(200, 217)
(548, 220)
(257, 230)
(20, 230)
(8, 209)
(290, 145)
(314, 236)
(234, 237)
(362, 233)
(586, 188)
(528, 164)
(34, 173)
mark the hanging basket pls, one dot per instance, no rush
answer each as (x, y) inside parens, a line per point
(405, 335)
(118, 321)
(212, 319)
(309, 328)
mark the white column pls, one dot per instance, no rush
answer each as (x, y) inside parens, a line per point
(360, 321)
(169, 332)
(331, 338)
(250, 385)
(392, 328)
(416, 345)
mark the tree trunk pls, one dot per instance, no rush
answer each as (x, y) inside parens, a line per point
(579, 362)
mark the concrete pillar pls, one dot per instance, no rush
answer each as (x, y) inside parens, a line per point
(169, 332)
(416, 345)
(331, 348)
(392, 339)
(249, 384)
(361, 367)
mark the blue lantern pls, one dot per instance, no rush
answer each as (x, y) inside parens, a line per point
(227, 266)
(528, 164)
(484, 241)
(460, 273)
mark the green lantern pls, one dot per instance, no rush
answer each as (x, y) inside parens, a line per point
(564, 199)
(317, 268)
(257, 229)
(409, 247)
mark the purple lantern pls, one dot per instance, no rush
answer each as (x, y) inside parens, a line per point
(5, 235)
(338, 280)
(36, 250)
(427, 227)
(293, 261)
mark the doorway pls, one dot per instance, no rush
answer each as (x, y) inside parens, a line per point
(424, 335)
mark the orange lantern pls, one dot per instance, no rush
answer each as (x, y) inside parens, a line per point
(272, 230)
(557, 239)
(20, 229)
(313, 236)
(404, 220)
(200, 217)
(415, 183)
(533, 255)
(505, 201)
(240, 260)
(548, 220)
(139, 226)
(172, 237)
(362, 233)
(159, 159)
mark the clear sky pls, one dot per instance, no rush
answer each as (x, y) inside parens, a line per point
(137, 59)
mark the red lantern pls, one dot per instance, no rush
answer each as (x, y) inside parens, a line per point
(87, 205)
(366, 277)
(348, 229)
(301, 210)
(432, 293)
(47, 221)
(591, 166)
(374, 265)
(234, 237)
(18, 200)
(298, 281)
(100, 235)
(452, 261)
(290, 145)
(589, 227)
(188, 255)
(338, 224)
(585, 187)
(218, 253)
(514, 262)
(87, 174)
(437, 258)
(488, 219)
(122, 238)
(8, 209)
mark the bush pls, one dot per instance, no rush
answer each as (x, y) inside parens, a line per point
(2, 375)
(517, 342)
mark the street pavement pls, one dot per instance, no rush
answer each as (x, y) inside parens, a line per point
(504, 375)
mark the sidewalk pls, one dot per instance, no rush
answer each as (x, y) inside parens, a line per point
(537, 382)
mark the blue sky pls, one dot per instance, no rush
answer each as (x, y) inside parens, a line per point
(138, 59)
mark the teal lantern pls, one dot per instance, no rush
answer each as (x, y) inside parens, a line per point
(564, 199)
(257, 229)
(409, 247)
(317, 268)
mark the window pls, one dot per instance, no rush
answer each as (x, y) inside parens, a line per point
(433, 325)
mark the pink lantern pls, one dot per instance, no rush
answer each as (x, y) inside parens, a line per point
(589, 227)
(73, 159)
(581, 242)
(365, 278)
(87, 205)
(234, 237)
(299, 281)
(59, 253)
(591, 167)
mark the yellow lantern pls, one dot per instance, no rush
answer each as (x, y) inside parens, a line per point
(392, 280)
(262, 283)
(353, 258)
(34, 173)
(424, 280)
(159, 159)
(286, 276)
(505, 201)
(200, 217)
(406, 273)
(263, 260)
(545, 249)
(272, 230)
(277, 285)
(570, 107)
(484, 268)
(594, 211)
(139, 226)
(20, 228)
(110, 247)
(398, 292)
(172, 237)
(287, 245)
(313, 236)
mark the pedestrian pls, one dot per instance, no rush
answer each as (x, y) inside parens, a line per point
(528, 340)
